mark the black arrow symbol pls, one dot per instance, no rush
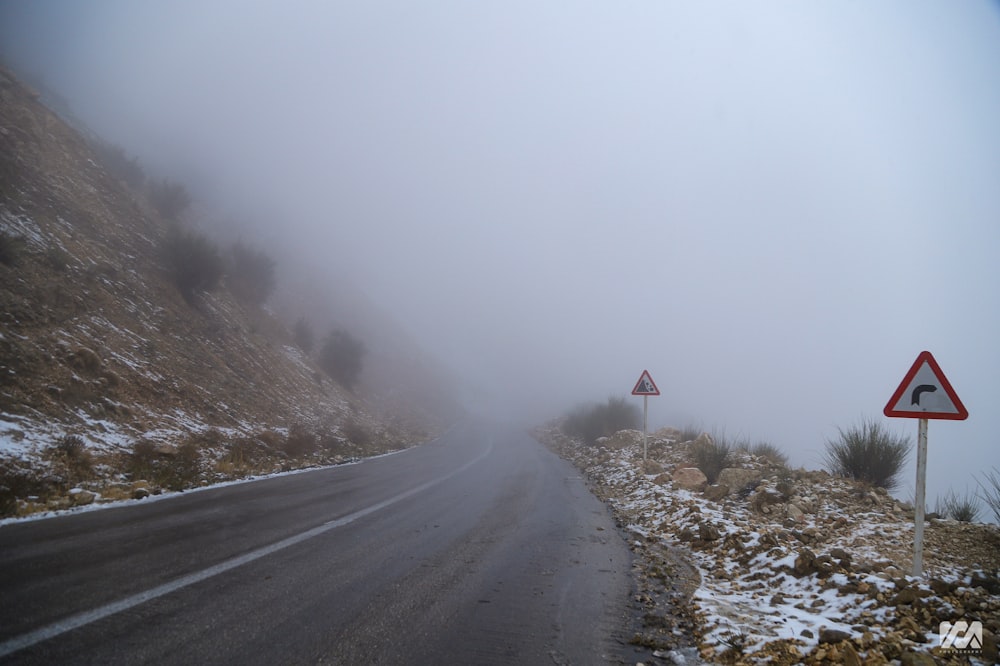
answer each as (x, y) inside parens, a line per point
(923, 388)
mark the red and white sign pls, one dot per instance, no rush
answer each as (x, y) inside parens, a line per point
(645, 385)
(925, 393)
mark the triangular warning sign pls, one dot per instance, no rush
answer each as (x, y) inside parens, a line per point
(926, 394)
(645, 385)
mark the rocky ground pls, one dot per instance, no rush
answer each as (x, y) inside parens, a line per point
(780, 566)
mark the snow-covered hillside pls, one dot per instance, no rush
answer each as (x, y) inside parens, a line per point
(110, 375)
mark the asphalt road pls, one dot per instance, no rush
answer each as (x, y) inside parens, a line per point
(479, 548)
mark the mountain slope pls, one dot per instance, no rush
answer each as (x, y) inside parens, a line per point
(97, 341)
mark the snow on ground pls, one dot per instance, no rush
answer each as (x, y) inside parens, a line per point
(20, 438)
(23, 226)
(25, 438)
(793, 557)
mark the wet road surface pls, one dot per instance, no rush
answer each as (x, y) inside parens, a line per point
(481, 547)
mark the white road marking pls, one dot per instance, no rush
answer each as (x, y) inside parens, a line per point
(81, 619)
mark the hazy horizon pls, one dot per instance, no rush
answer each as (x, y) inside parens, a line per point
(773, 207)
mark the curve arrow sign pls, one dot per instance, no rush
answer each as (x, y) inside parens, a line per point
(925, 393)
(923, 388)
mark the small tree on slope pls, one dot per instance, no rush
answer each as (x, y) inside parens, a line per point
(341, 357)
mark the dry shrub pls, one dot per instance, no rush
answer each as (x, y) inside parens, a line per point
(964, 509)
(17, 481)
(85, 360)
(711, 456)
(72, 459)
(186, 470)
(357, 433)
(989, 491)
(78, 393)
(301, 441)
(331, 442)
(591, 422)
(271, 440)
(174, 469)
(770, 453)
(688, 433)
(868, 452)
(243, 456)
(141, 462)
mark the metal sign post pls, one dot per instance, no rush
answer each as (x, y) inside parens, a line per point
(645, 429)
(645, 387)
(918, 526)
(919, 397)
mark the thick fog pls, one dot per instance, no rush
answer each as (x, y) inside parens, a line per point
(772, 207)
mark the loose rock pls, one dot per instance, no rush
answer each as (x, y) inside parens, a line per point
(690, 478)
(716, 492)
(81, 497)
(735, 477)
(827, 635)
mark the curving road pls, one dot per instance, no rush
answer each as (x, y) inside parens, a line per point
(479, 548)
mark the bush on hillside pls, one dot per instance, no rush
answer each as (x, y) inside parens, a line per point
(712, 455)
(171, 199)
(303, 335)
(357, 433)
(620, 414)
(243, 456)
(194, 262)
(19, 480)
(963, 509)
(689, 433)
(73, 458)
(186, 470)
(251, 277)
(11, 247)
(769, 452)
(57, 258)
(989, 491)
(591, 422)
(174, 469)
(300, 442)
(584, 423)
(868, 452)
(118, 163)
(342, 357)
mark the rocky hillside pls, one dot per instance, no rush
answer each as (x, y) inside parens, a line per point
(108, 375)
(780, 566)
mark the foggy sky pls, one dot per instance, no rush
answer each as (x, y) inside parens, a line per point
(772, 207)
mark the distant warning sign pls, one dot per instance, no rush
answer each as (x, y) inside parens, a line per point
(925, 393)
(645, 385)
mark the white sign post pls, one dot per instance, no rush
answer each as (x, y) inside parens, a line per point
(645, 387)
(924, 393)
